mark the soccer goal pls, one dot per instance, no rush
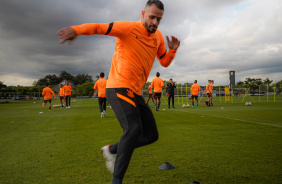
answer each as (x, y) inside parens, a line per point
(239, 91)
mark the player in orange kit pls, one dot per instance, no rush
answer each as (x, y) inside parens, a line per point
(68, 90)
(157, 84)
(150, 94)
(62, 95)
(100, 85)
(137, 45)
(195, 88)
(47, 96)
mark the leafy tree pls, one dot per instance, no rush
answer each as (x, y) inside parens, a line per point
(278, 86)
(85, 89)
(65, 75)
(2, 85)
(82, 78)
(267, 81)
(240, 84)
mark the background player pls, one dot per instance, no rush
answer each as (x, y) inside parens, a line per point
(62, 95)
(68, 89)
(150, 94)
(209, 94)
(195, 88)
(100, 85)
(157, 84)
(47, 96)
(170, 92)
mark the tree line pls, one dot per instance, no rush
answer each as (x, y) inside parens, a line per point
(84, 85)
(54, 79)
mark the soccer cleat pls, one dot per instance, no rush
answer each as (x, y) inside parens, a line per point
(110, 158)
(193, 106)
(104, 112)
(212, 105)
(102, 115)
(205, 103)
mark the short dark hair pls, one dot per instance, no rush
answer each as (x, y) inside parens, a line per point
(102, 74)
(195, 81)
(158, 74)
(46, 84)
(158, 3)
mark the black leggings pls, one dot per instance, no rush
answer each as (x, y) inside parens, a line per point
(68, 100)
(102, 104)
(138, 123)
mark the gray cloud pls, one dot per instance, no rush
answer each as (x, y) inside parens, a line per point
(216, 36)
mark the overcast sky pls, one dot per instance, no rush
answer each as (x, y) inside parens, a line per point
(216, 36)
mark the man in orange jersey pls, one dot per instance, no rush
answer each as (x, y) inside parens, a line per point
(150, 94)
(100, 85)
(62, 95)
(67, 90)
(195, 88)
(209, 94)
(170, 92)
(157, 84)
(211, 88)
(47, 96)
(137, 45)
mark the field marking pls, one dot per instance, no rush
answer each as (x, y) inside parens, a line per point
(233, 119)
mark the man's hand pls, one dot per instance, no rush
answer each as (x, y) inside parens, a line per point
(67, 34)
(173, 43)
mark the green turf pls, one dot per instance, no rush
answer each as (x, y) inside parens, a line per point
(228, 143)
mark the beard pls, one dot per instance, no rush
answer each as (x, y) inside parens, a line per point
(151, 28)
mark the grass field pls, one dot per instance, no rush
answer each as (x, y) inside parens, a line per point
(226, 144)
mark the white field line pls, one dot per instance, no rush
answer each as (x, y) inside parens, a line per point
(233, 119)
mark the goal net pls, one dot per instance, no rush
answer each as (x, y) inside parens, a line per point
(239, 91)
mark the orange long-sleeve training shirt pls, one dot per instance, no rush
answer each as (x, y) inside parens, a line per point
(195, 88)
(67, 89)
(100, 85)
(134, 54)
(211, 87)
(62, 92)
(150, 89)
(158, 84)
(47, 93)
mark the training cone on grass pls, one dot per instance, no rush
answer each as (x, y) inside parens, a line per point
(195, 182)
(166, 166)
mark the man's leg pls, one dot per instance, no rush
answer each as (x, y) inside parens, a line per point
(159, 103)
(69, 101)
(172, 100)
(104, 106)
(168, 100)
(49, 105)
(100, 102)
(138, 125)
